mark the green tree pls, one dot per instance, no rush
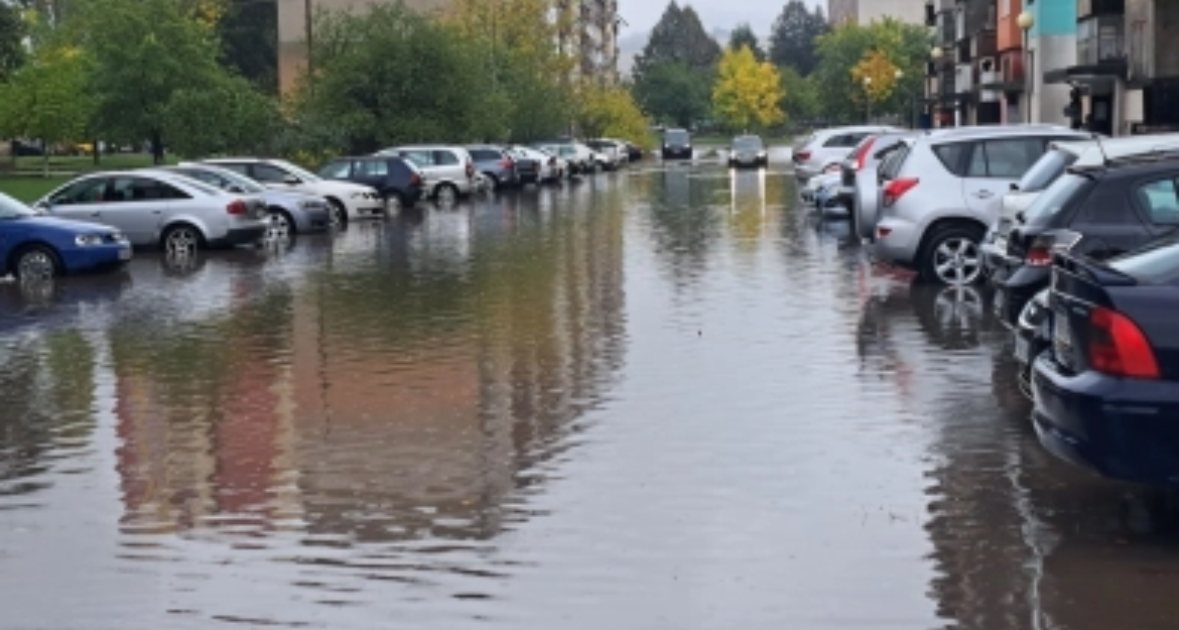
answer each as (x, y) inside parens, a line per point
(679, 36)
(45, 99)
(249, 41)
(792, 38)
(748, 93)
(12, 32)
(743, 35)
(674, 92)
(227, 115)
(841, 91)
(800, 101)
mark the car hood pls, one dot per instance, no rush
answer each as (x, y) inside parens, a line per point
(59, 225)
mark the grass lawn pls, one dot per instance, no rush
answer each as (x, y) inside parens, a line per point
(30, 189)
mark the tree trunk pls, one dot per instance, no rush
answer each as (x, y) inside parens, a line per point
(157, 147)
(96, 151)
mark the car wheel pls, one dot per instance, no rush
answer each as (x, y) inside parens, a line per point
(339, 215)
(446, 194)
(952, 256)
(36, 262)
(182, 240)
(282, 226)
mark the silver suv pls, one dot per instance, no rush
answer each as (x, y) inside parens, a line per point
(940, 193)
(826, 148)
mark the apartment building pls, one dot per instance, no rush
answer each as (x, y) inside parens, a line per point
(590, 33)
(866, 11)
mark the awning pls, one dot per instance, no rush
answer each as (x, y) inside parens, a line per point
(1092, 73)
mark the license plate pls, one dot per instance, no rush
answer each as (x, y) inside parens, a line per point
(125, 253)
(1022, 350)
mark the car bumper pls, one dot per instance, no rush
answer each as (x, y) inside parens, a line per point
(677, 153)
(95, 258)
(746, 160)
(240, 236)
(896, 241)
(366, 207)
(1014, 287)
(312, 219)
(1121, 428)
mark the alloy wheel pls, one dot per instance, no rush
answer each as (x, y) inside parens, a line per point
(957, 261)
(36, 264)
(182, 240)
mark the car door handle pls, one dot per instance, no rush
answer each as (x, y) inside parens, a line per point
(984, 194)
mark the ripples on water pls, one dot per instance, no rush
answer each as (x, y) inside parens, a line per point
(667, 398)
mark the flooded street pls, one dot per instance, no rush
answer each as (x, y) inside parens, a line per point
(661, 398)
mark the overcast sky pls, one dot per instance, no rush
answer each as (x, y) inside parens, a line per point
(641, 15)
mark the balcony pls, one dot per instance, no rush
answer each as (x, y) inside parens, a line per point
(1101, 40)
(984, 44)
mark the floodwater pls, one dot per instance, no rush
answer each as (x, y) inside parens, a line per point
(664, 398)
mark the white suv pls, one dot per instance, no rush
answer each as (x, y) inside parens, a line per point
(940, 193)
(449, 171)
(827, 148)
(348, 201)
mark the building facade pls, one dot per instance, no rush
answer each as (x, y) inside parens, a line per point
(590, 34)
(865, 12)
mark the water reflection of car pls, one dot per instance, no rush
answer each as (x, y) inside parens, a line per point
(1107, 394)
(748, 150)
(160, 208)
(36, 246)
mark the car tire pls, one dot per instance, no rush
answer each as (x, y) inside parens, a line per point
(337, 214)
(182, 239)
(282, 225)
(952, 255)
(446, 193)
(33, 262)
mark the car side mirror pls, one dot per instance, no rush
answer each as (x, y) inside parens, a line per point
(291, 180)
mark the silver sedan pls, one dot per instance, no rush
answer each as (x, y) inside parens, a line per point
(157, 208)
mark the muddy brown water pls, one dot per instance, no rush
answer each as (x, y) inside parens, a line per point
(665, 398)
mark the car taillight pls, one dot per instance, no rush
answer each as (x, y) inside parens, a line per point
(1117, 346)
(802, 156)
(896, 188)
(862, 154)
(237, 207)
(415, 180)
(1041, 251)
(507, 163)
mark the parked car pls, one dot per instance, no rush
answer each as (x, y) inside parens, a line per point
(1060, 156)
(1107, 393)
(613, 153)
(397, 180)
(677, 144)
(539, 166)
(859, 190)
(821, 186)
(33, 245)
(634, 153)
(748, 150)
(826, 148)
(348, 201)
(291, 211)
(449, 171)
(150, 208)
(1095, 212)
(578, 157)
(941, 193)
(496, 164)
(1032, 336)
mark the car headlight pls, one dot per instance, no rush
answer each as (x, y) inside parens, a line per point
(87, 240)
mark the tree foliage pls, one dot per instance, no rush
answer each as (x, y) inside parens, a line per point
(249, 42)
(792, 38)
(674, 92)
(877, 73)
(44, 98)
(679, 37)
(743, 35)
(800, 101)
(841, 92)
(748, 93)
(611, 112)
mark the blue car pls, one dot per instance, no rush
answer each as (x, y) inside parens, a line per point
(33, 245)
(1107, 390)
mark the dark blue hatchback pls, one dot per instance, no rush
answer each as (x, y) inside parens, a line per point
(1107, 391)
(34, 245)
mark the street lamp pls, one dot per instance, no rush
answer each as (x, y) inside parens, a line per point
(1026, 21)
(868, 96)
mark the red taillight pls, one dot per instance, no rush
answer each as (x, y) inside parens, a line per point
(803, 156)
(237, 207)
(862, 154)
(470, 170)
(1117, 346)
(1039, 255)
(882, 232)
(896, 188)
(507, 163)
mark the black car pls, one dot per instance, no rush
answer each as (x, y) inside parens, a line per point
(1031, 337)
(748, 151)
(634, 153)
(391, 176)
(1097, 212)
(677, 144)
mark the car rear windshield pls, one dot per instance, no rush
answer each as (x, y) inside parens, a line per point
(678, 135)
(1055, 197)
(747, 143)
(892, 163)
(1046, 170)
(1157, 263)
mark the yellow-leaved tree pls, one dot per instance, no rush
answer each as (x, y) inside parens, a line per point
(876, 74)
(609, 111)
(747, 93)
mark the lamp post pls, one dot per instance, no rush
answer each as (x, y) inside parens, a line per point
(868, 97)
(1026, 21)
(935, 99)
